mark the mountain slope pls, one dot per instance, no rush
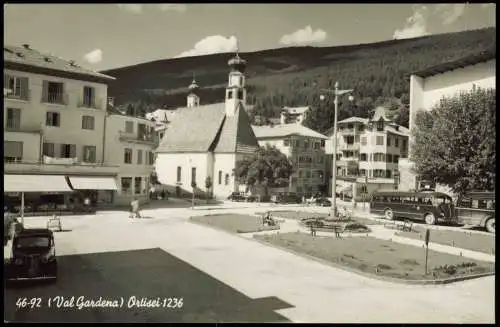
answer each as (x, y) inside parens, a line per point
(379, 73)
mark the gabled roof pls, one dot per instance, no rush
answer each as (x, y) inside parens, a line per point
(483, 56)
(285, 130)
(206, 128)
(354, 120)
(380, 114)
(24, 56)
(295, 110)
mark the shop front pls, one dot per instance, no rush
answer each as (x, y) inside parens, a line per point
(99, 191)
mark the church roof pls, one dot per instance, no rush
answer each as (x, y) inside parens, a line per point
(207, 128)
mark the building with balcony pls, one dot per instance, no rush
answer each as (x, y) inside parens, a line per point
(368, 147)
(54, 125)
(305, 148)
(206, 141)
(429, 86)
(130, 144)
(290, 115)
(161, 119)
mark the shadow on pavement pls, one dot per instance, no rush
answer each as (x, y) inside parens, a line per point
(151, 274)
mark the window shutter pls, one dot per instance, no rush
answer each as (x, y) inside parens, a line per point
(48, 118)
(62, 147)
(6, 79)
(72, 151)
(45, 92)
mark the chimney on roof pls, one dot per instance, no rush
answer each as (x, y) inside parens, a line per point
(26, 46)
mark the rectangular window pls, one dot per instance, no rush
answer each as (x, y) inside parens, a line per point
(220, 177)
(126, 185)
(49, 149)
(396, 142)
(362, 172)
(380, 140)
(388, 173)
(322, 143)
(362, 157)
(389, 157)
(297, 143)
(226, 179)
(316, 145)
(306, 144)
(17, 87)
(129, 127)
(127, 156)
(363, 140)
(388, 141)
(139, 157)
(53, 119)
(240, 94)
(88, 122)
(151, 158)
(137, 185)
(89, 153)
(12, 151)
(404, 144)
(396, 159)
(179, 170)
(53, 92)
(88, 97)
(68, 150)
(286, 142)
(338, 156)
(193, 175)
(229, 94)
(13, 118)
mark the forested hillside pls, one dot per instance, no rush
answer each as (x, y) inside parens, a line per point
(378, 72)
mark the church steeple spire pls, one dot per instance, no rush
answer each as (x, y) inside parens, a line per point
(193, 100)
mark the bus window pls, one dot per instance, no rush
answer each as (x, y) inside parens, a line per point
(465, 203)
(475, 204)
(396, 199)
(442, 200)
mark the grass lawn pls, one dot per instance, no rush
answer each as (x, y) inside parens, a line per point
(365, 253)
(288, 214)
(234, 223)
(461, 239)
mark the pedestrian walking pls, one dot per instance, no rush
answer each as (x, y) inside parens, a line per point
(135, 208)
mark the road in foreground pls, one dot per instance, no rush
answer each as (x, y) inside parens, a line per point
(295, 288)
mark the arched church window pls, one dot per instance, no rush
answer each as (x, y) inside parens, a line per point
(240, 94)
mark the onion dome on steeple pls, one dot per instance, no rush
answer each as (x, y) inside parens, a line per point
(194, 86)
(236, 63)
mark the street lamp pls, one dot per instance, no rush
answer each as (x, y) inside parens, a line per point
(337, 93)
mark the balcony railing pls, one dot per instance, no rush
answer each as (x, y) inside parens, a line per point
(55, 98)
(90, 103)
(345, 131)
(353, 146)
(23, 94)
(14, 126)
(139, 138)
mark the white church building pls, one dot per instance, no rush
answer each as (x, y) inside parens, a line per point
(208, 140)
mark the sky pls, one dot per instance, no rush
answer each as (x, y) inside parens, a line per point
(105, 36)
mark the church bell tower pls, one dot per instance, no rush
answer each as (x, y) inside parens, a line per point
(235, 90)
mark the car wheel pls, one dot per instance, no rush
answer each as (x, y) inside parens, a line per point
(430, 219)
(389, 214)
(490, 225)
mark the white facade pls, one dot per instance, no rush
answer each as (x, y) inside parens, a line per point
(53, 124)
(308, 157)
(291, 115)
(129, 144)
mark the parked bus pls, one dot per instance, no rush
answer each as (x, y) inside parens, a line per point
(430, 207)
(477, 209)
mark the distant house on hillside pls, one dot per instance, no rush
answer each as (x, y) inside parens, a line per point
(208, 140)
(161, 117)
(291, 115)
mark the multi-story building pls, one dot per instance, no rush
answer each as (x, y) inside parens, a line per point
(54, 113)
(161, 119)
(130, 144)
(429, 86)
(369, 148)
(305, 148)
(290, 115)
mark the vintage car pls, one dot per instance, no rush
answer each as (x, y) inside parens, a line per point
(236, 196)
(286, 198)
(323, 202)
(477, 209)
(32, 256)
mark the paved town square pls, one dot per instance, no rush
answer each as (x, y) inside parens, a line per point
(221, 277)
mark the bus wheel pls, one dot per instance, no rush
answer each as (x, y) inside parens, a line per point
(490, 225)
(389, 214)
(430, 219)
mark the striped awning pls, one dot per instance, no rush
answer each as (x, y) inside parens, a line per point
(35, 183)
(93, 183)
